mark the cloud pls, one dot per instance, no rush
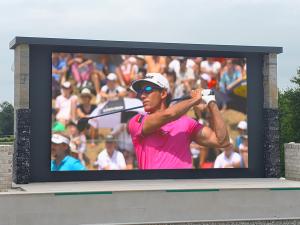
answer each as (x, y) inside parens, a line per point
(237, 22)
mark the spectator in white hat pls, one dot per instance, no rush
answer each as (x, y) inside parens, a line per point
(211, 67)
(65, 104)
(242, 130)
(110, 158)
(128, 70)
(112, 90)
(60, 153)
(228, 158)
(77, 142)
(85, 108)
(205, 79)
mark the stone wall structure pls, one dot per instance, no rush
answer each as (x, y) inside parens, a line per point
(6, 152)
(21, 159)
(271, 117)
(292, 159)
(21, 156)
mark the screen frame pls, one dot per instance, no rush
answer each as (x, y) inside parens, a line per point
(40, 105)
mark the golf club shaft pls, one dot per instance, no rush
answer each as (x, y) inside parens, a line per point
(137, 107)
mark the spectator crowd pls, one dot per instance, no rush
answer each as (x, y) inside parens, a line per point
(80, 82)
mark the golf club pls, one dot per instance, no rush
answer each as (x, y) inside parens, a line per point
(82, 123)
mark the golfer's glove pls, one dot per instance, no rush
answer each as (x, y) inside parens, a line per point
(208, 95)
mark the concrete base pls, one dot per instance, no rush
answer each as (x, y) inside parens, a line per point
(222, 201)
(292, 157)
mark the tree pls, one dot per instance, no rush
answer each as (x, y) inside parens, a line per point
(296, 79)
(289, 116)
(6, 118)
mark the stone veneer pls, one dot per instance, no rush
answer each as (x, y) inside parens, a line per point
(21, 158)
(6, 152)
(292, 159)
(271, 143)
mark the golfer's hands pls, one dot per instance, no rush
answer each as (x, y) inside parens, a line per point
(208, 96)
(196, 95)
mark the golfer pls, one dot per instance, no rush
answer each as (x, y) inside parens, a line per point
(162, 136)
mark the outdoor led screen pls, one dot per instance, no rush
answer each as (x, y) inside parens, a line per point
(86, 85)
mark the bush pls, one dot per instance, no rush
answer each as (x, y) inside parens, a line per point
(6, 118)
(7, 139)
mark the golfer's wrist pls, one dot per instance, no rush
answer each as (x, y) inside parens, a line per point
(212, 104)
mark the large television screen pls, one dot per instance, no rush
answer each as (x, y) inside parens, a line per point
(166, 132)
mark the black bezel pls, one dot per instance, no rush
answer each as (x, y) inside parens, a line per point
(40, 105)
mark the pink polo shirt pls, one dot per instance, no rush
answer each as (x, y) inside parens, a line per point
(167, 147)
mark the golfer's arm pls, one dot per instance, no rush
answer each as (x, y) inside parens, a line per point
(219, 127)
(160, 118)
(217, 136)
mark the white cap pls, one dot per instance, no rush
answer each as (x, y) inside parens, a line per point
(112, 77)
(206, 77)
(66, 84)
(109, 138)
(154, 78)
(181, 58)
(59, 139)
(132, 59)
(140, 57)
(86, 91)
(242, 125)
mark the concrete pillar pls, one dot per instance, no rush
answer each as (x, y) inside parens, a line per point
(21, 68)
(271, 116)
(21, 155)
(270, 81)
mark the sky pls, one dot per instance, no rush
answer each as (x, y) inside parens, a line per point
(230, 22)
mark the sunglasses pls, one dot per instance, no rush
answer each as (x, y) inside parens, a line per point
(148, 90)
